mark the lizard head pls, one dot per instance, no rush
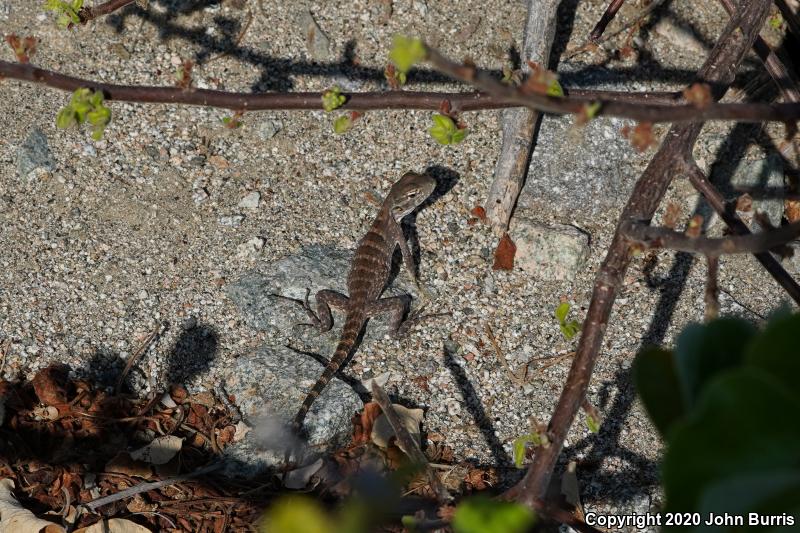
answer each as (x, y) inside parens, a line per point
(408, 193)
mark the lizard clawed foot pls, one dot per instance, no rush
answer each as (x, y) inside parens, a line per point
(414, 318)
(315, 321)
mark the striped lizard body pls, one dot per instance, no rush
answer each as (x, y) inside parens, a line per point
(369, 273)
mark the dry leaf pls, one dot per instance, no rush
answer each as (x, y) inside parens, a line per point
(242, 429)
(159, 451)
(123, 464)
(363, 423)
(641, 136)
(49, 385)
(16, 519)
(479, 212)
(298, 479)
(49, 413)
(504, 254)
(698, 94)
(382, 431)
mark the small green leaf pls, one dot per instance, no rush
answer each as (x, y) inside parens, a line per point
(482, 515)
(562, 311)
(409, 522)
(406, 52)
(342, 124)
(592, 424)
(65, 118)
(296, 514)
(521, 443)
(590, 110)
(333, 99)
(554, 88)
(445, 130)
(775, 21)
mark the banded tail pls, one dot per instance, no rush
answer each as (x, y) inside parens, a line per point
(352, 327)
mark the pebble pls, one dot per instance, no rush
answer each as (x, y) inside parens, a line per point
(251, 200)
(231, 220)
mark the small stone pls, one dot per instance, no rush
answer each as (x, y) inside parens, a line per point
(251, 200)
(199, 195)
(89, 150)
(317, 43)
(420, 6)
(554, 252)
(251, 247)
(218, 161)
(231, 220)
(34, 153)
(268, 129)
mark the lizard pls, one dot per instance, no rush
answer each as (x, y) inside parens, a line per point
(369, 273)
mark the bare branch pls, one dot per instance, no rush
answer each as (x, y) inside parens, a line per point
(717, 202)
(712, 288)
(608, 16)
(655, 237)
(649, 190)
(749, 112)
(88, 13)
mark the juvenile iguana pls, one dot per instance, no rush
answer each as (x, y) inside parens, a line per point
(369, 273)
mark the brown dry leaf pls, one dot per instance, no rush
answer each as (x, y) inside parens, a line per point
(480, 479)
(16, 519)
(363, 422)
(479, 212)
(49, 385)
(122, 463)
(178, 393)
(160, 451)
(671, 215)
(382, 432)
(695, 227)
(204, 398)
(744, 203)
(641, 136)
(504, 254)
(225, 435)
(699, 94)
(446, 512)
(792, 211)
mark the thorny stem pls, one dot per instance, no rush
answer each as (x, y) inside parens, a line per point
(719, 69)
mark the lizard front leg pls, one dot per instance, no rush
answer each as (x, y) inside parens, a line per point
(408, 261)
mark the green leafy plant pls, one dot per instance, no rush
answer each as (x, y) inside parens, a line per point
(67, 11)
(406, 52)
(445, 130)
(726, 401)
(85, 105)
(521, 444)
(592, 423)
(482, 515)
(568, 328)
(775, 21)
(333, 99)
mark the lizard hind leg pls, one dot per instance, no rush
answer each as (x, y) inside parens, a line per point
(325, 299)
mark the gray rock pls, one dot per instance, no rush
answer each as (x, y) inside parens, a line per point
(314, 267)
(551, 252)
(269, 386)
(250, 200)
(762, 174)
(34, 153)
(580, 173)
(269, 128)
(317, 43)
(231, 220)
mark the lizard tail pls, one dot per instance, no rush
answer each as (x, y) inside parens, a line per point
(352, 327)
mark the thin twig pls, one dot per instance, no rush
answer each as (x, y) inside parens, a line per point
(502, 358)
(658, 237)
(712, 288)
(608, 16)
(409, 444)
(89, 13)
(717, 202)
(145, 487)
(643, 112)
(136, 355)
